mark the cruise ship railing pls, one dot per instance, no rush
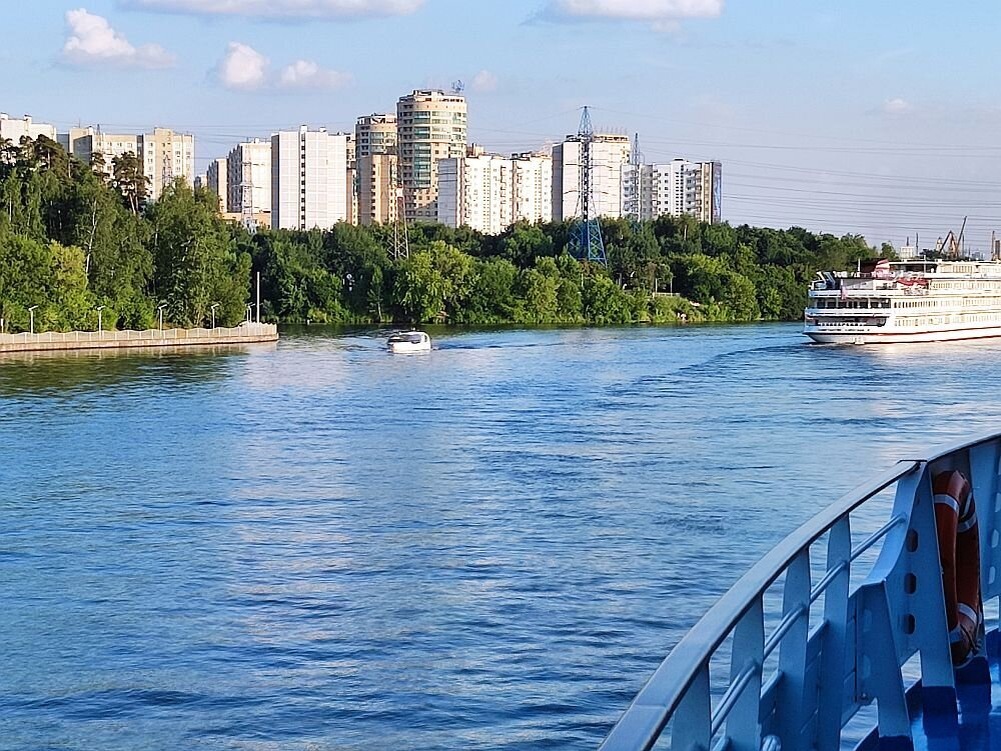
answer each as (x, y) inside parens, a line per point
(793, 684)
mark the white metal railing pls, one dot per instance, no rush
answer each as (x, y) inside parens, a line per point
(147, 335)
(853, 655)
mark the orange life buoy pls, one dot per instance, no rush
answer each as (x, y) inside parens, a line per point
(959, 551)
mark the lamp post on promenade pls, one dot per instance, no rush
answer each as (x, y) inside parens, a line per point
(31, 313)
(250, 307)
(99, 326)
(159, 312)
(213, 307)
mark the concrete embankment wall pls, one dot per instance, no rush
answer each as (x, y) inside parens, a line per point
(54, 341)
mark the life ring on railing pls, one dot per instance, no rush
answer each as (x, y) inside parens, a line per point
(959, 552)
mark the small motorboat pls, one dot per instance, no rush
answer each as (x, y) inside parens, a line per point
(409, 341)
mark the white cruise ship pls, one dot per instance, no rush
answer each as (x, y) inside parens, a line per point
(905, 301)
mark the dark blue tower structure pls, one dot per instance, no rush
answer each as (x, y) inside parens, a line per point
(585, 235)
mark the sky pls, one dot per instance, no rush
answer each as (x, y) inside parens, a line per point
(855, 116)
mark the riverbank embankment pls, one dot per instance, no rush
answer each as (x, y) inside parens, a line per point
(56, 341)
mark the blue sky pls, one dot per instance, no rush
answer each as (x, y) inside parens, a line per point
(872, 117)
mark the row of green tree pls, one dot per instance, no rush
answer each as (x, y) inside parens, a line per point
(75, 239)
(666, 270)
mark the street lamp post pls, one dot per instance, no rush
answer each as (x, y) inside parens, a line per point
(31, 313)
(159, 312)
(213, 307)
(250, 307)
(99, 326)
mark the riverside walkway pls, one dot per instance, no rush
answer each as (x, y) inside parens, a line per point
(55, 341)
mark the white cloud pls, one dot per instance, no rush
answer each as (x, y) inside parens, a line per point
(303, 74)
(484, 81)
(242, 68)
(664, 14)
(92, 41)
(330, 9)
(897, 106)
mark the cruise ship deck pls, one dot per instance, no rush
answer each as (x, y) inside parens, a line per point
(847, 633)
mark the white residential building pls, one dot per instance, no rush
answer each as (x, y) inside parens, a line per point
(163, 154)
(475, 191)
(609, 152)
(249, 180)
(14, 130)
(488, 192)
(216, 180)
(84, 143)
(308, 179)
(673, 188)
(166, 155)
(531, 187)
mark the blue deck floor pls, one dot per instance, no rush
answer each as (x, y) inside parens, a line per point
(977, 724)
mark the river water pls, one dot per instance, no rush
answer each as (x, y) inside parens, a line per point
(320, 545)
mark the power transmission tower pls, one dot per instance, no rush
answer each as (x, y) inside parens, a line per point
(585, 235)
(401, 239)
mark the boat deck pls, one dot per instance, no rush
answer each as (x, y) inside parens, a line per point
(976, 726)
(837, 657)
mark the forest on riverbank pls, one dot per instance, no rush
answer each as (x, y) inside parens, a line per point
(73, 240)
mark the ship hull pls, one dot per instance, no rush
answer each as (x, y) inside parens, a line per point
(882, 336)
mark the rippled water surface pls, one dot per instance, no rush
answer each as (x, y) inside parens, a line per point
(490, 546)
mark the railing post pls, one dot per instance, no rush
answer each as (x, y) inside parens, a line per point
(693, 717)
(792, 652)
(877, 670)
(924, 611)
(985, 466)
(743, 726)
(830, 692)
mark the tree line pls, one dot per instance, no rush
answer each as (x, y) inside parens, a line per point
(74, 238)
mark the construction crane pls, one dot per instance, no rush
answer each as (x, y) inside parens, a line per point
(952, 246)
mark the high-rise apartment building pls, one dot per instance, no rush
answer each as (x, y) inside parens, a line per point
(378, 189)
(351, 195)
(249, 179)
(308, 179)
(163, 154)
(375, 134)
(377, 169)
(673, 188)
(609, 152)
(14, 130)
(216, 180)
(475, 191)
(431, 126)
(532, 187)
(166, 155)
(84, 143)
(488, 192)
